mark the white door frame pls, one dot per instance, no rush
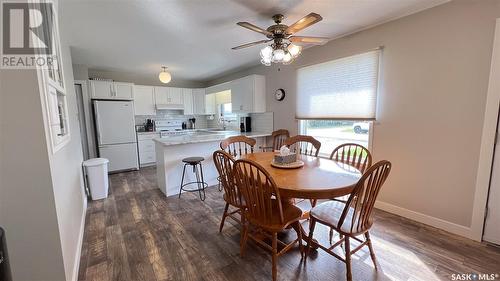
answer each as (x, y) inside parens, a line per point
(89, 121)
(487, 141)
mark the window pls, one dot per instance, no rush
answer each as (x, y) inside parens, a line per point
(342, 89)
(54, 88)
(336, 100)
(58, 121)
(332, 133)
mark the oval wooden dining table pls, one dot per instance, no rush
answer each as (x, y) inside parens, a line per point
(319, 178)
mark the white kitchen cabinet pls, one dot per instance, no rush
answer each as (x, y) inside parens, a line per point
(144, 100)
(210, 106)
(175, 95)
(111, 90)
(248, 94)
(101, 89)
(199, 101)
(168, 95)
(161, 95)
(187, 96)
(124, 90)
(146, 145)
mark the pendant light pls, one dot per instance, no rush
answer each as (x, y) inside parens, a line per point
(164, 76)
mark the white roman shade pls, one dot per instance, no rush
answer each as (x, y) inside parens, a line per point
(344, 89)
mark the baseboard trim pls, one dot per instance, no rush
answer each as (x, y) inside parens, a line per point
(426, 219)
(78, 254)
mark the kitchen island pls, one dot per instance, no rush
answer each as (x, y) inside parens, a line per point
(171, 150)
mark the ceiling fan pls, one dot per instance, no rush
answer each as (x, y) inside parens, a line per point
(282, 50)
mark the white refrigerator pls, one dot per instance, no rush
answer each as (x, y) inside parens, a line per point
(116, 137)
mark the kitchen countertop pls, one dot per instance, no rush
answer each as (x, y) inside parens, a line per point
(205, 136)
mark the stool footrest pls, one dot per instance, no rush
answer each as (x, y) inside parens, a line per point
(205, 185)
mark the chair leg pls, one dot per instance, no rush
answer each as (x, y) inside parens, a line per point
(275, 255)
(312, 224)
(202, 182)
(223, 217)
(296, 227)
(330, 235)
(372, 253)
(348, 259)
(195, 171)
(313, 202)
(182, 180)
(243, 242)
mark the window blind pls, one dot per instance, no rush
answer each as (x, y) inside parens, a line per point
(344, 88)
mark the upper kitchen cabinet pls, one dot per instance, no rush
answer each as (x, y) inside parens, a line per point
(175, 95)
(144, 100)
(248, 94)
(101, 89)
(199, 101)
(111, 90)
(124, 90)
(187, 95)
(168, 98)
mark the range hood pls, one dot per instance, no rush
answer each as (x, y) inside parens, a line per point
(170, 106)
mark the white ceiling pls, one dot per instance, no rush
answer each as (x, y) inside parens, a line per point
(194, 37)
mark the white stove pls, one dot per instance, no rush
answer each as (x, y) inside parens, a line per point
(170, 128)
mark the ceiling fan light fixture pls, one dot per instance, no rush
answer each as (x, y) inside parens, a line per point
(164, 75)
(266, 62)
(294, 50)
(287, 58)
(282, 50)
(278, 55)
(266, 53)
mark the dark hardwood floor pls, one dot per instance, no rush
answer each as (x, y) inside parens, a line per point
(138, 234)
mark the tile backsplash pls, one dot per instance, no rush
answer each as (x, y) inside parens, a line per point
(261, 122)
(201, 120)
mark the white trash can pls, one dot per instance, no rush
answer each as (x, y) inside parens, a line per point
(96, 170)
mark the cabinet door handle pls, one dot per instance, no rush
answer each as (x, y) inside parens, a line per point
(111, 88)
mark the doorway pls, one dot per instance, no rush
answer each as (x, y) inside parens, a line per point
(81, 120)
(492, 219)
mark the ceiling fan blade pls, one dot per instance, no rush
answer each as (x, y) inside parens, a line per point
(304, 22)
(308, 40)
(250, 44)
(254, 28)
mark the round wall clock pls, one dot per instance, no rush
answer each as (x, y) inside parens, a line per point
(279, 94)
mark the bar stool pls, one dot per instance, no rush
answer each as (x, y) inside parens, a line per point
(194, 162)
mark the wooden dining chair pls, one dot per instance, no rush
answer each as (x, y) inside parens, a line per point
(224, 163)
(264, 210)
(279, 137)
(352, 218)
(354, 155)
(306, 145)
(238, 145)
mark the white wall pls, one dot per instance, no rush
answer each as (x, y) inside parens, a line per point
(67, 179)
(434, 79)
(42, 203)
(80, 72)
(27, 203)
